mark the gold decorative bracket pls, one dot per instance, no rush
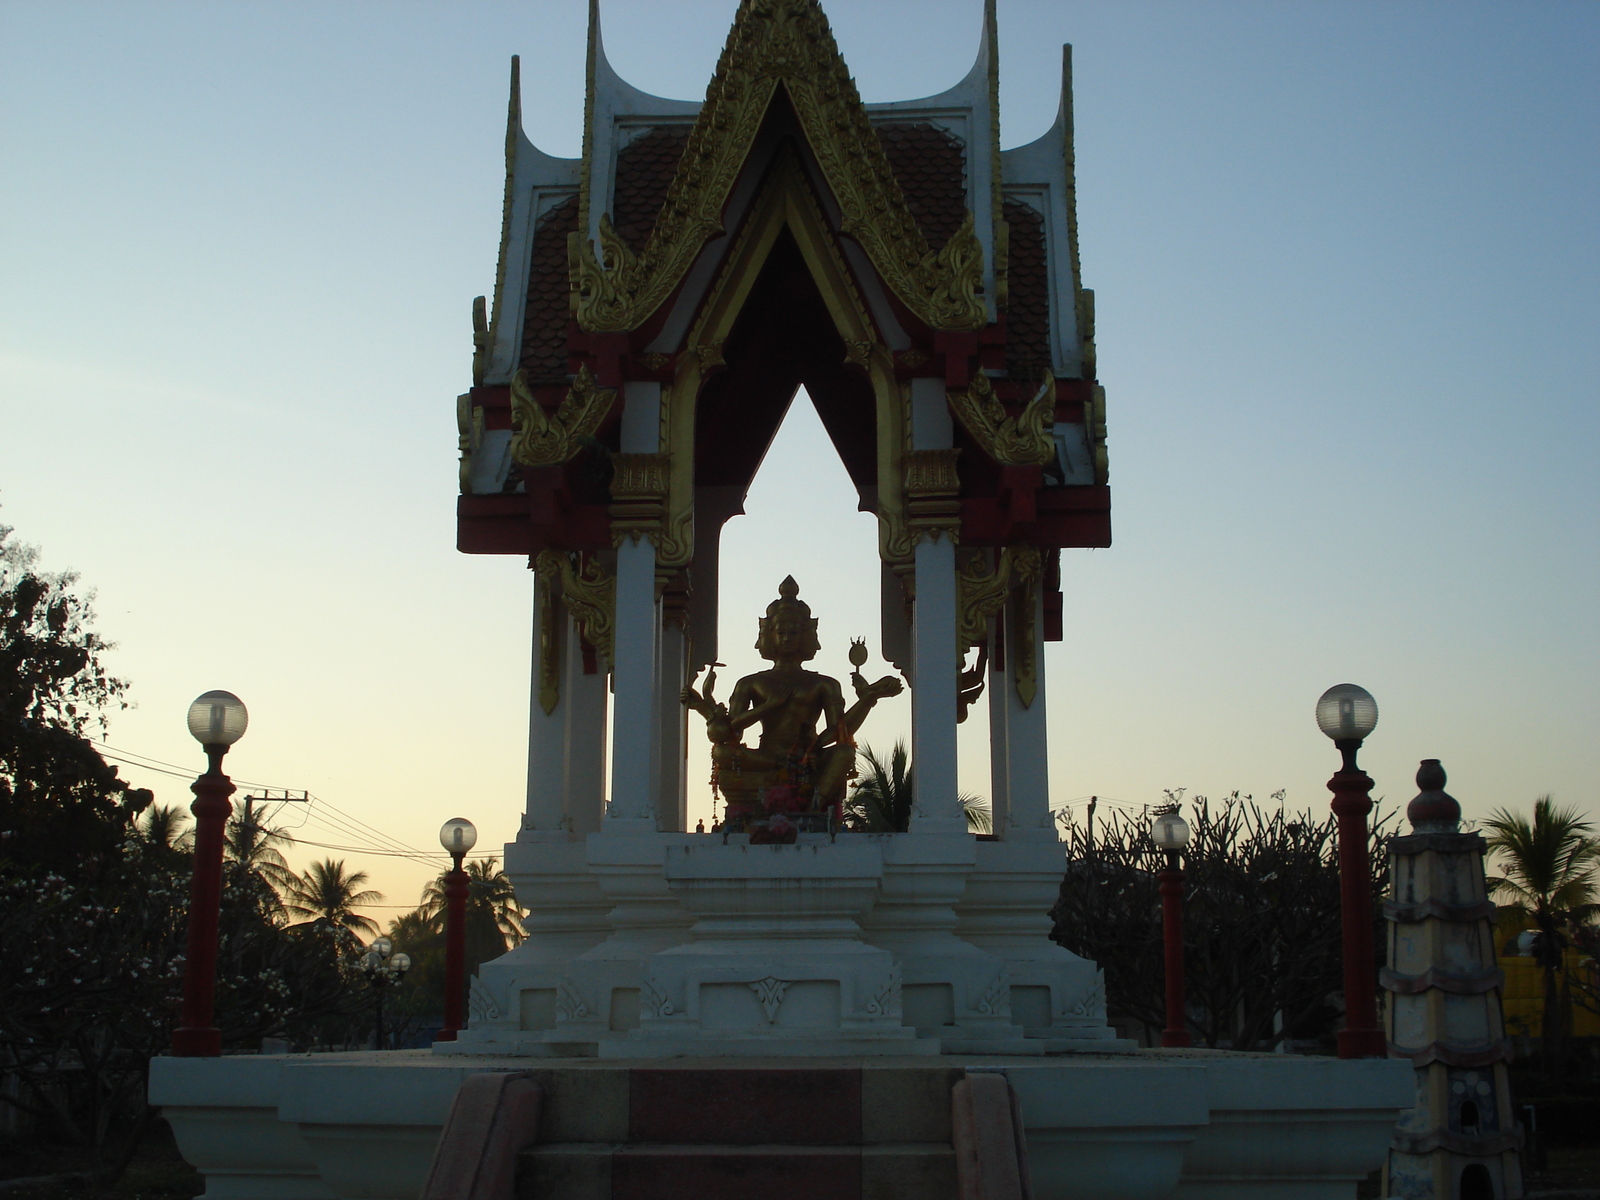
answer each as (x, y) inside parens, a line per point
(590, 592)
(546, 440)
(980, 594)
(1095, 420)
(1024, 440)
(480, 340)
(469, 428)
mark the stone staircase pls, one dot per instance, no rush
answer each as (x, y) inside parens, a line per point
(743, 1131)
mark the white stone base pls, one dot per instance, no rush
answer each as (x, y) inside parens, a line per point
(660, 943)
(1191, 1124)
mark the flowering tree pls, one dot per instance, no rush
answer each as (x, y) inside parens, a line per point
(94, 901)
(58, 798)
(1263, 959)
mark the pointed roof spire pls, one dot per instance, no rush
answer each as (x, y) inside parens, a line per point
(484, 339)
(773, 44)
(1002, 231)
(590, 61)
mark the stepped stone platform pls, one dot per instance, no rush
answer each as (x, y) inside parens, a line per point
(735, 1131)
(1187, 1124)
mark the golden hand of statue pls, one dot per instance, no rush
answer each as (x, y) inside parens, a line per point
(889, 685)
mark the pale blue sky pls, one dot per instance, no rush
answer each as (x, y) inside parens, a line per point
(1345, 259)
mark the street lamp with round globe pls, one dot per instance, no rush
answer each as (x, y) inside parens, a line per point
(217, 720)
(1170, 833)
(384, 969)
(458, 836)
(1348, 714)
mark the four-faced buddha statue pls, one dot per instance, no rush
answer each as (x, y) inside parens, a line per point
(796, 766)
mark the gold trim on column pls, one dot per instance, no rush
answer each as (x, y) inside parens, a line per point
(931, 486)
(1023, 440)
(1027, 565)
(546, 440)
(638, 496)
(590, 593)
(773, 43)
(549, 642)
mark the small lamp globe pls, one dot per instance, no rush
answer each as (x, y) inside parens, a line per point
(1347, 713)
(1170, 832)
(458, 836)
(217, 720)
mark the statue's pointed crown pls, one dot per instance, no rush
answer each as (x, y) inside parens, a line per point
(789, 597)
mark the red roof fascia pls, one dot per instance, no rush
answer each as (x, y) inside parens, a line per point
(1063, 517)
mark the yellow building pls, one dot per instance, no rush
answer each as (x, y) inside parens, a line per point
(1523, 995)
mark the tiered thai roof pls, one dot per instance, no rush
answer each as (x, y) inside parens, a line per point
(956, 260)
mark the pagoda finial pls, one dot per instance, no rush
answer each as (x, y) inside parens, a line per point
(1434, 810)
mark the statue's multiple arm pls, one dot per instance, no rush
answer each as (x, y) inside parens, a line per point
(867, 695)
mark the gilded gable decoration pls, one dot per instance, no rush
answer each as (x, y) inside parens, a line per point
(773, 43)
(544, 439)
(1025, 439)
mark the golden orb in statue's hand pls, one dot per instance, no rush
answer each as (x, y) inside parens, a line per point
(858, 652)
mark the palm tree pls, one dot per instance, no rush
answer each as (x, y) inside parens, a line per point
(163, 826)
(882, 797)
(491, 902)
(494, 919)
(882, 800)
(253, 844)
(1552, 877)
(326, 894)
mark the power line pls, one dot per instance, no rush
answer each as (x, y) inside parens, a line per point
(330, 816)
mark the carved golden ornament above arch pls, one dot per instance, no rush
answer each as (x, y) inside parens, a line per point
(981, 590)
(1024, 440)
(775, 42)
(590, 594)
(545, 439)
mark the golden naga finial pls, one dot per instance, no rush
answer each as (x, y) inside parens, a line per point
(1025, 439)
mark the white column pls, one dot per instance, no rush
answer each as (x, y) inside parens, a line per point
(1027, 741)
(999, 712)
(672, 800)
(635, 732)
(933, 700)
(546, 735)
(933, 642)
(583, 697)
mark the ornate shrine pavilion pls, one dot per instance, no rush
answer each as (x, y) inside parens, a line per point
(775, 1007)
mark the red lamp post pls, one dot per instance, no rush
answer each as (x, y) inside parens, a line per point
(1347, 714)
(1170, 832)
(217, 720)
(458, 836)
